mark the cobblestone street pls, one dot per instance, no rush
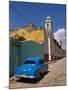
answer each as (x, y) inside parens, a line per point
(55, 77)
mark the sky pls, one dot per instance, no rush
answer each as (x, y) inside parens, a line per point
(23, 13)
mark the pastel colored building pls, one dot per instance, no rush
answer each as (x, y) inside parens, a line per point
(52, 49)
(34, 41)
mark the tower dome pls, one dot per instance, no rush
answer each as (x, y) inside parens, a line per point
(48, 17)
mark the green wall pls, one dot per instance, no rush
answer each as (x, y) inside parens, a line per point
(31, 49)
(19, 52)
(14, 57)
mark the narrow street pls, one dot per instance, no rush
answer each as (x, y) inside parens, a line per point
(55, 77)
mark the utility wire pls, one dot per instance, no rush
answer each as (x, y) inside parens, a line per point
(22, 16)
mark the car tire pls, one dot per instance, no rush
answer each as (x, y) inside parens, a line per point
(39, 75)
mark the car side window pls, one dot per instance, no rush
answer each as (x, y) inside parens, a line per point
(41, 61)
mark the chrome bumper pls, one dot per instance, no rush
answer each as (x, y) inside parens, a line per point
(24, 76)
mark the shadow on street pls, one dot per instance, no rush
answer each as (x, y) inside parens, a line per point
(32, 81)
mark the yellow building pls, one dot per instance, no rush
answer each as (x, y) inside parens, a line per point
(29, 32)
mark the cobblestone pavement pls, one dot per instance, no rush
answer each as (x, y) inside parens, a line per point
(54, 77)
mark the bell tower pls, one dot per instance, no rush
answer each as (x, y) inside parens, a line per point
(48, 23)
(48, 36)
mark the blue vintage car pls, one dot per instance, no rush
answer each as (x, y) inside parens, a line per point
(33, 67)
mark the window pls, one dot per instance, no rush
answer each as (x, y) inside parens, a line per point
(29, 62)
(41, 61)
(47, 25)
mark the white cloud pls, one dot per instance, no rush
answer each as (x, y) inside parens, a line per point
(60, 35)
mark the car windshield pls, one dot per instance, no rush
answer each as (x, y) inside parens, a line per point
(29, 62)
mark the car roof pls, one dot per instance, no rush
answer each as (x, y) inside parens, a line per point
(36, 59)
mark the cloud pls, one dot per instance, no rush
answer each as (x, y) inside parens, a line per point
(60, 35)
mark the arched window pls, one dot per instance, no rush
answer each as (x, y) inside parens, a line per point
(47, 25)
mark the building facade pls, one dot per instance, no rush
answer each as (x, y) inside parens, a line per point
(52, 49)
